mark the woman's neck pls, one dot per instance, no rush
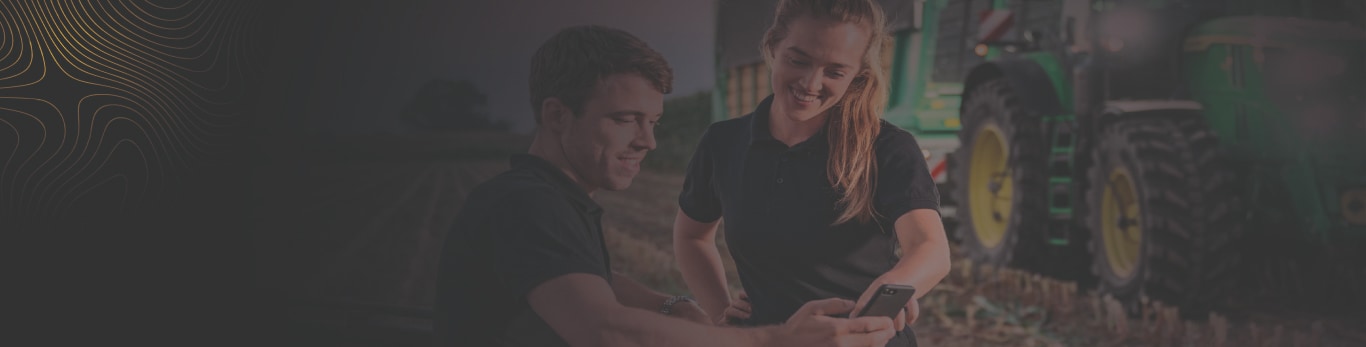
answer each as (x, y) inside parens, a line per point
(791, 131)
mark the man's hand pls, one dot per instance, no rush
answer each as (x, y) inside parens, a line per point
(738, 310)
(906, 317)
(689, 310)
(813, 325)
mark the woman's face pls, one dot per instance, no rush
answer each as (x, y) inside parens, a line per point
(813, 66)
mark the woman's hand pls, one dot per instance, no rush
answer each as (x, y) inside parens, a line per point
(738, 310)
(906, 317)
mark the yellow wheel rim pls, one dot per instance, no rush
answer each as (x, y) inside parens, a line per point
(989, 186)
(1121, 225)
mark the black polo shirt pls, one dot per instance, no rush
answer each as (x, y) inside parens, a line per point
(516, 231)
(779, 206)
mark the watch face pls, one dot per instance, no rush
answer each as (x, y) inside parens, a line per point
(669, 304)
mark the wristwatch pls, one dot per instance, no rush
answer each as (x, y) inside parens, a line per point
(669, 304)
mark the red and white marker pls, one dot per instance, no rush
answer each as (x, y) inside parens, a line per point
(994, 24)
(938, 167)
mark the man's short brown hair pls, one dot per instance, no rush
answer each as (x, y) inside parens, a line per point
(575, 60)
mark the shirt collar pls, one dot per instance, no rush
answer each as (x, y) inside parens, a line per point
(758, 124)
(556, 177)
(759, 132)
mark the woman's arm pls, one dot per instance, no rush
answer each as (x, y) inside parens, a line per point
(700, 261)
(925, 251)
(924, 261)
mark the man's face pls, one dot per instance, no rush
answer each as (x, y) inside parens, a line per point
(813, 66)
(606, 143)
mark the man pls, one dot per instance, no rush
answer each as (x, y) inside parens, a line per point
(526, 264)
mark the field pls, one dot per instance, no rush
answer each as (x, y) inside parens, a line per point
(350, 247)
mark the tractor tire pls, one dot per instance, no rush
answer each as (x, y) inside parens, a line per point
(1165, 215)
(998, 178)
(948, 204)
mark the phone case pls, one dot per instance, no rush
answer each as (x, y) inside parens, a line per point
(888, 301)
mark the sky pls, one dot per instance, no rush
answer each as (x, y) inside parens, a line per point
(350, 67)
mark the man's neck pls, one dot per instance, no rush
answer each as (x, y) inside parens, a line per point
(550, 150)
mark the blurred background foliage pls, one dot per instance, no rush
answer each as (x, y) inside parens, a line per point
(685, 118)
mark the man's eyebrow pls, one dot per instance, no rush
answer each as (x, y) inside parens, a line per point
(803, 54)
(626, 113)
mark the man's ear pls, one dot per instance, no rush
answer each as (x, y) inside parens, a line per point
(555, 115)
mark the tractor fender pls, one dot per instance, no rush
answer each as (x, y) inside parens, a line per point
(1117, 109)
(1026, 77)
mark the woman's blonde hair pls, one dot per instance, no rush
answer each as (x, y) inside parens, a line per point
(855, 119)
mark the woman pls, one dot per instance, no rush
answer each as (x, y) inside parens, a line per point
(818, 193)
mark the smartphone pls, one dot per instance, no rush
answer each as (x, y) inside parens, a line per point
(888, 301)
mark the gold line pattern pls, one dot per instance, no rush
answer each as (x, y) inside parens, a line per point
(106, 105)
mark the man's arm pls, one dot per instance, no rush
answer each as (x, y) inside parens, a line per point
(636, 295)
(582, 309)
(633, 294)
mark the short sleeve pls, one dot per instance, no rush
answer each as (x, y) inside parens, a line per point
(699, 199)
(540, 238)
(904, 181)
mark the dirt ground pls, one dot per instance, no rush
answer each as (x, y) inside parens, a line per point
(975, 306)
(371, 230)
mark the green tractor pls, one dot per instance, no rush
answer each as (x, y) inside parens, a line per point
(1179, 150)
(1182, 150)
